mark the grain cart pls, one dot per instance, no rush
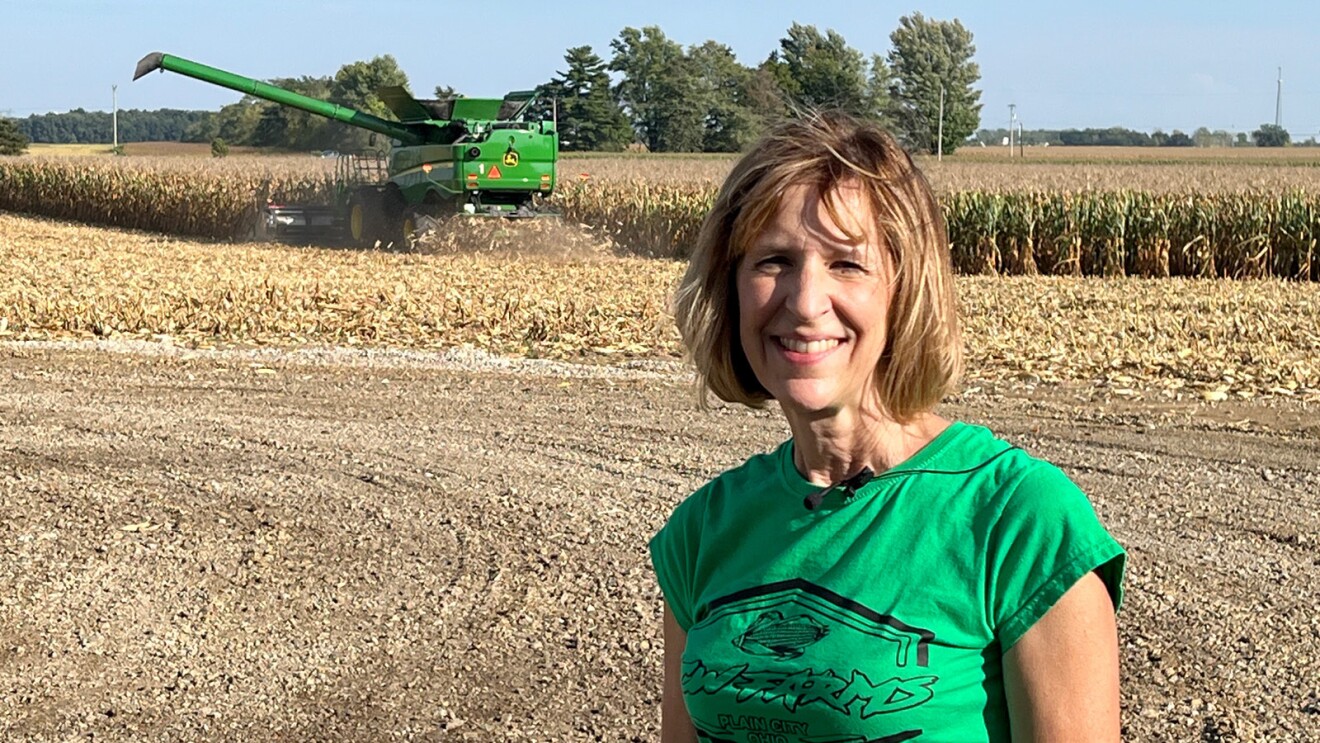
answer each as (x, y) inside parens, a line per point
(475, 156)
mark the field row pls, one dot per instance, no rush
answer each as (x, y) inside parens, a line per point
(1174, 338)
(986, 174)
(1202, 171)
(1059, 232)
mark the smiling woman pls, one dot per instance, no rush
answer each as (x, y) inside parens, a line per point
(812, 188)
(885, 574)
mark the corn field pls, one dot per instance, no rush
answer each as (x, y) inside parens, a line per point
(1150, 230)
(159, 195)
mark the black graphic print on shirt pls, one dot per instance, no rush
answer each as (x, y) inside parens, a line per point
(793, 661)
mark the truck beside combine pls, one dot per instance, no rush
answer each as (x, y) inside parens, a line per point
(466, 156)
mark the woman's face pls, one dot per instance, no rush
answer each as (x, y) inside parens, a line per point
(813, 304)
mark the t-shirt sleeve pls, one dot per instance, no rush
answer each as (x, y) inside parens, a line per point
(673, 555)
(1046, 538)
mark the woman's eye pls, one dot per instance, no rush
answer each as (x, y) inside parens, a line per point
(849, 266)
(774, 261)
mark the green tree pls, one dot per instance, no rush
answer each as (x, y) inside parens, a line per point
(12, 141)
(1270, 135)
(659, 90)
(587, 115)
(291, 128)
(822, 71)
(928, 55)
(765, 97)
(355, 86)
(877, 101)
(731, 122)
(1179, 139)
(219, 148)
(202, 130)
(135, 125)
(260, 123)
(237, 122)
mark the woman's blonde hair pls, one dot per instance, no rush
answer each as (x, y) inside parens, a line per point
(922, 358)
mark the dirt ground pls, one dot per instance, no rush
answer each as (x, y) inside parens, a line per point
(346, 546)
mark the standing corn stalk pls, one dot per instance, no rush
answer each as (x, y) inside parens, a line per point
(1019, 216)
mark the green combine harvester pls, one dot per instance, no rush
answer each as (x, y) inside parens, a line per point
(474, 156)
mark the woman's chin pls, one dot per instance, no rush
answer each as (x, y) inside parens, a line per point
(809, 401)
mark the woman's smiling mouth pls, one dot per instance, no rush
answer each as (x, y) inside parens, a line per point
(799, 350)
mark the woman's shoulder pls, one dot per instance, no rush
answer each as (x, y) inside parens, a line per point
(1009, 488)
(975, 450)
(1003, 473)
(757, 471)
(714, 507)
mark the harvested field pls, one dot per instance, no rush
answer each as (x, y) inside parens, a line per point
(1133, 338)
(348, 545)
(172, 150)
(260, 491)
(1302, 156)
(1208, 177)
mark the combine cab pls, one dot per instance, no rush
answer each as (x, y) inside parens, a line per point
(472, 156)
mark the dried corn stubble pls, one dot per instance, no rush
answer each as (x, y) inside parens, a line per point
(69, 281)
(545, 237)
(1134, 337)
(1165, 338)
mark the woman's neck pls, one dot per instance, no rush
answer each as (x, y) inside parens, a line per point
(830, 449)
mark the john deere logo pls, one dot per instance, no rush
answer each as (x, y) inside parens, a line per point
(511, 158)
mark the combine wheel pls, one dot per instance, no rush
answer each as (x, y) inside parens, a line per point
(393, 217)
(408, 226)
(364, 220)
(419, 220)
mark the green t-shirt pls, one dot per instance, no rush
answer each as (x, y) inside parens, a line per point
(878, 617)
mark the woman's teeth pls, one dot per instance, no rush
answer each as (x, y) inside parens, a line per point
(797, 346)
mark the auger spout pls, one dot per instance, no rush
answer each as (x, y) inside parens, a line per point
(408, 135)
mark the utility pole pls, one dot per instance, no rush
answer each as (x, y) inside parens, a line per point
(939, 145)
(1012, 123)
(1278, 101)
(114, 115)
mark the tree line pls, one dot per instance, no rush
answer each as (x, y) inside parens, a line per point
(1268, 135)
(94, 127)
(652, 93)
(668, 98)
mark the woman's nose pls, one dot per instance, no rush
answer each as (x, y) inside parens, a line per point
(807, 292)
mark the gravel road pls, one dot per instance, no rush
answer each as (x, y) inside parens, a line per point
(334, 545)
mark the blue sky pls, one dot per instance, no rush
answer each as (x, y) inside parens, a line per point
(1170, 65)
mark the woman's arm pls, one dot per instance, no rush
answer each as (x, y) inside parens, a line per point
(675, 724)
(1061, 678)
